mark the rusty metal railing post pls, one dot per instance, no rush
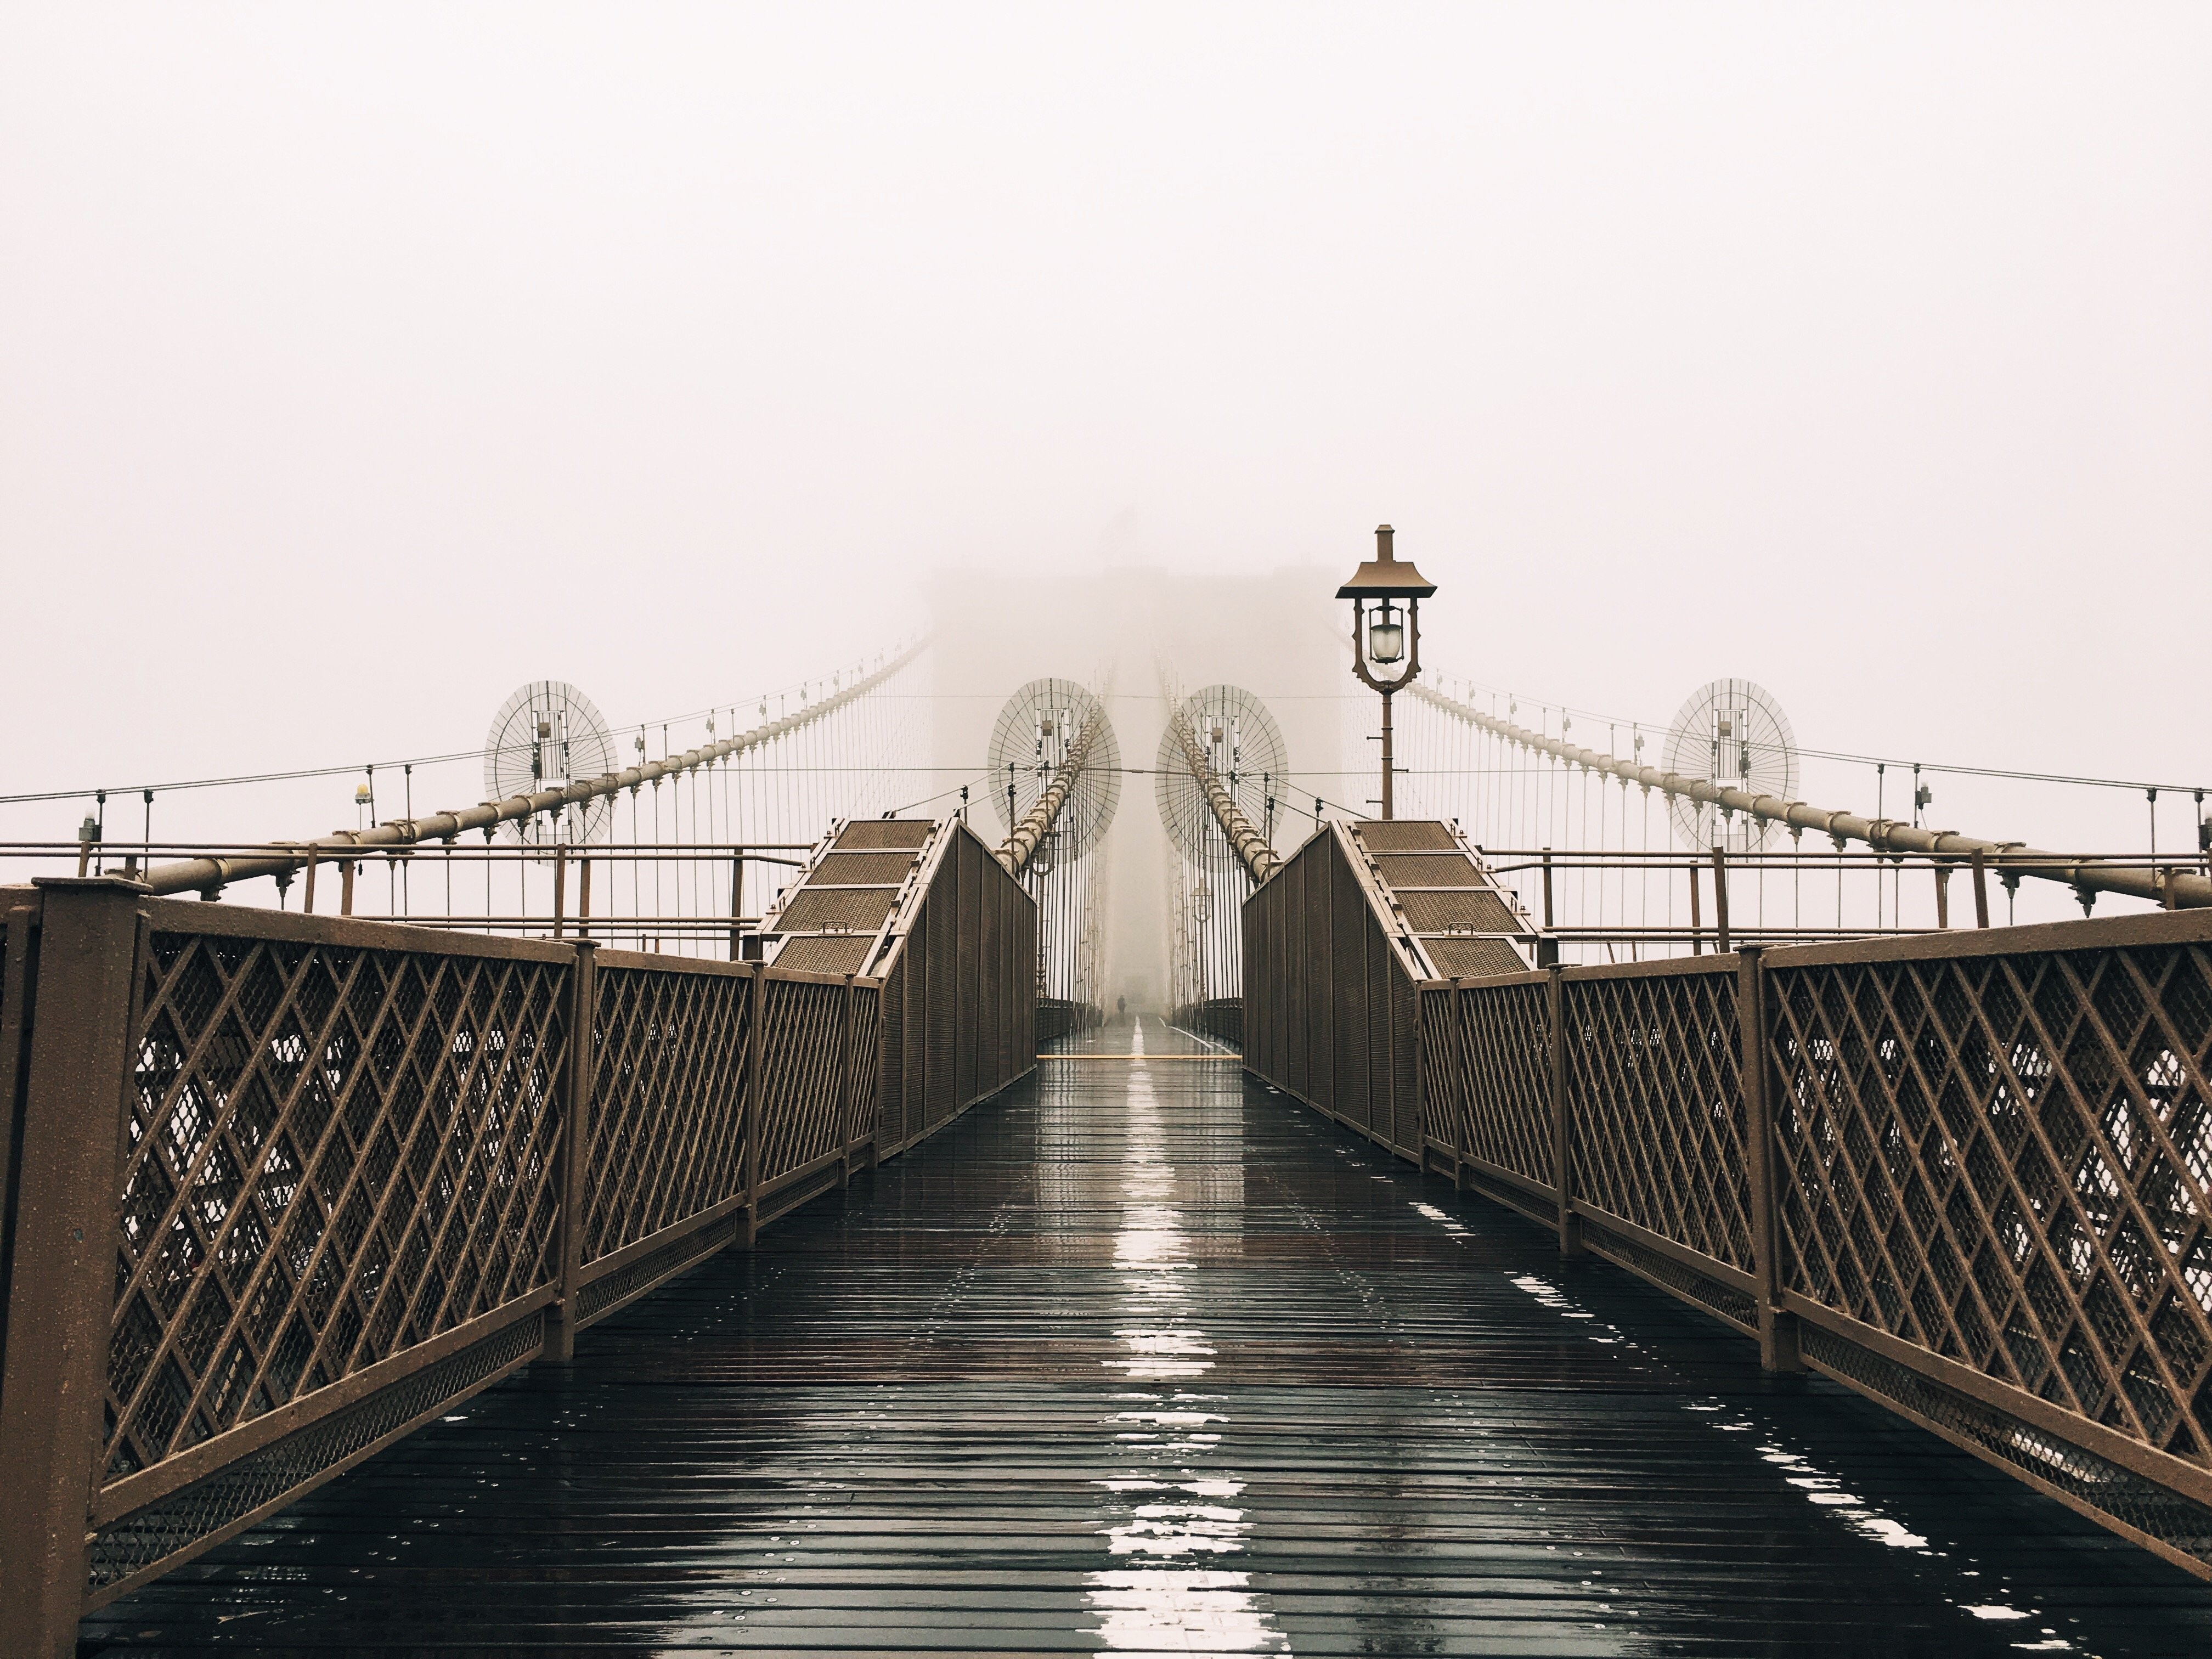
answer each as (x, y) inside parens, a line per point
(1461, 1075)
(848, 1095)
(61, 1291)
(756, 1099)
(575, 1152)
(1720, 901)
(1778, 1331)
(1563, 1125)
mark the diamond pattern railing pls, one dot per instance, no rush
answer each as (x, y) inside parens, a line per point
(1655, 1091)
(332, 1154)
(809, 1087)
(1969, 1176)
(1486, 1077)
(285, 1188)
(667, 1120)
(2005, 1160)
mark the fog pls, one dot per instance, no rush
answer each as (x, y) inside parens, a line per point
(356, 367)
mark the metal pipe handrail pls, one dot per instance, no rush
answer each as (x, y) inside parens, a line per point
(208, 876)
(1014, 853)
(2168, 886)
(1248, 844)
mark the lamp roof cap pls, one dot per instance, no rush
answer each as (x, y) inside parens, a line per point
(1384, 576)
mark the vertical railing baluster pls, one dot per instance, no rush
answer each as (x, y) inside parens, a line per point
(575, 1152)
(848, 1107)
(61, 1291)
(755, 1100)
(1462, 1084)
(1778, 1331)
(1563, 1144)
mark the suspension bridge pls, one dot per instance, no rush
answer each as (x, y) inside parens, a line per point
(947, 1159)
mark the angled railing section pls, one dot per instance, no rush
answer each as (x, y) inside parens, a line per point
(935, 913)
(281, 1189)
(1967, 1176)
(1334, 944)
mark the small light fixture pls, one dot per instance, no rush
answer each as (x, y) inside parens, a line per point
(1386, 636)
(1384, 640)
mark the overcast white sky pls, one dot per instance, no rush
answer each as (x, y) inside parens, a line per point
(359, 363)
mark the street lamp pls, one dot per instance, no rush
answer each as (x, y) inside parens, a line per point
(1381, 638)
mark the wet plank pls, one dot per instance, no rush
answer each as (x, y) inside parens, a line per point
(1142, 1358)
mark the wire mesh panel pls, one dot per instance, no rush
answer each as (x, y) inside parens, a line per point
(672, 1043)
(334, 1153)
(1349, 988)
(860, 1046)
(1655, 1084)
(2005, 1159)
(1401, 1056)
(962, 986)
(1329, 1009)
(17, 908)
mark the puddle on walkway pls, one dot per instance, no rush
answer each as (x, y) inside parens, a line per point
(1177, 1527)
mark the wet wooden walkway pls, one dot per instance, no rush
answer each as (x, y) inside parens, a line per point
(1142, 1358)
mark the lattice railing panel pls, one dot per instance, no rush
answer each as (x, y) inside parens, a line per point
(1655, 1091)
(667, 1101)
(1487, 1051)
(2007, 1160)
(862, 1045)
(805, 1103)
(333, 1153)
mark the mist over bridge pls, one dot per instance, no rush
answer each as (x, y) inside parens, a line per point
(982, 1151)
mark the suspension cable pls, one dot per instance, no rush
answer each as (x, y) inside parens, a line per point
(1015, 853)
(1249, 845)
(208, 876)
(2085, 877)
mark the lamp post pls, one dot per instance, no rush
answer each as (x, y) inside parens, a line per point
(1381, 638)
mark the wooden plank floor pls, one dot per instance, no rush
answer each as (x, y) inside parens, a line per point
(1142, 1358)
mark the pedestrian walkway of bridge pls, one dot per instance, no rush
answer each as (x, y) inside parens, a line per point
(1141, 1356)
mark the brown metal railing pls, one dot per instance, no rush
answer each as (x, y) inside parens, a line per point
(1327, 1010)
(959, 991)
(1220, 1018)
(281, 1189)
(1967, 1174)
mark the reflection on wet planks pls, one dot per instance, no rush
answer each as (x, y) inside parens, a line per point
(1141, 1357)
